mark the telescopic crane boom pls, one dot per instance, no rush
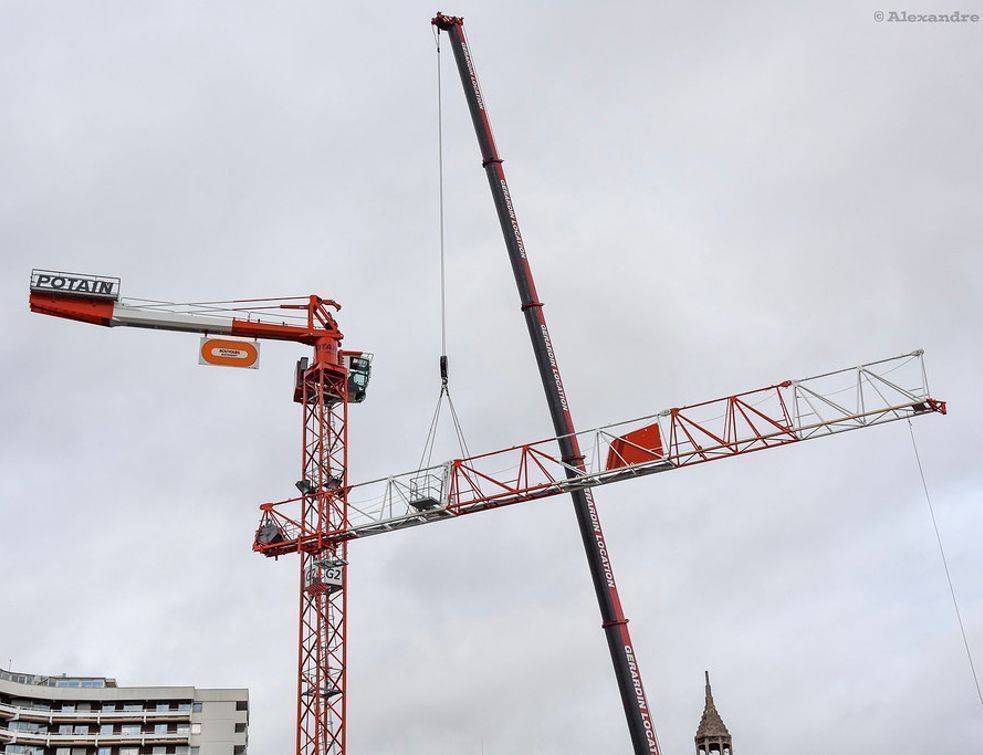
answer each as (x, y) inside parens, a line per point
(640, 725)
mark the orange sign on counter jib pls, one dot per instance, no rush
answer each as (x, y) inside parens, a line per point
(224, 352)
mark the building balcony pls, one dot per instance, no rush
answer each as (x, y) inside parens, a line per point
(94, 739)
(92, 716)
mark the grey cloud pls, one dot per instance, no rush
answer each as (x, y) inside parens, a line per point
(713, 198)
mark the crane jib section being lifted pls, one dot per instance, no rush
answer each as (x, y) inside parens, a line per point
(788, 412)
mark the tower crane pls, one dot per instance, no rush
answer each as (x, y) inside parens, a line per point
(330, 512)
(325, 384)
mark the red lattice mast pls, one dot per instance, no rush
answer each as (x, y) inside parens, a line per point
(323, 580)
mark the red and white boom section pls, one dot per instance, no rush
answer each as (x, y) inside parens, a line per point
(778, 415)
(96, 300)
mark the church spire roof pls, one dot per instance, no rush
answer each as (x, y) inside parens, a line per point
(711, 725)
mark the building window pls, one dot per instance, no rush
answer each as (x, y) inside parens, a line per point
(163, 707)
(129, 751)
(184, 707)
(197, 708)
(183, 728)
(196, 728)
(130, 729)
(31, 728)
(106, 729)
(242, 705)
(64, 728)
(133, 708)
(104, 751)
(80, 730)
(240, 728)
(160, 728)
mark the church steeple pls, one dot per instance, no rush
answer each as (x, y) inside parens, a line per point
(712, 737)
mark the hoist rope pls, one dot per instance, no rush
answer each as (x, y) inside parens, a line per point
(428, 447)
(440, 195)
(945, 565)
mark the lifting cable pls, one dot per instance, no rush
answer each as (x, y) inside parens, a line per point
(945, 564)
(428, 447)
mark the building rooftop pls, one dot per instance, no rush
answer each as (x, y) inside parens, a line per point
(87, 682)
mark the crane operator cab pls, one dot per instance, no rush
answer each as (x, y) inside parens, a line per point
(359, 368)
(359, 371)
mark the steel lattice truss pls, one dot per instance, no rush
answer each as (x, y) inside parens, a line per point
(321, 665)
(788, 412)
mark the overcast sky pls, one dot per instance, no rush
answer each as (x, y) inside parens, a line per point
(713, 197)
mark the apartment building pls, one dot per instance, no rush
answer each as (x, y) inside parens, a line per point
(63, 715)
